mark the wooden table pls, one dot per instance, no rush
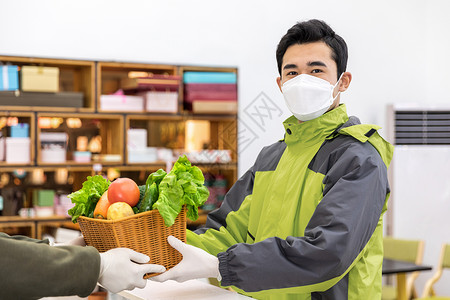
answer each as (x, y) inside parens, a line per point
(400, 268)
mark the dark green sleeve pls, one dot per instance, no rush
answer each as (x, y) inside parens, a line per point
(31, 269)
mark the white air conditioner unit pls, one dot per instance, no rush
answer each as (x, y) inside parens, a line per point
(419, 206)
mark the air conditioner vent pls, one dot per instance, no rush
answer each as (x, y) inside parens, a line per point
(422, 127)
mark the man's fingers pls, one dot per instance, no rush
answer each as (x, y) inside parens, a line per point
(150, 268)
(175, 243)
(138, 257)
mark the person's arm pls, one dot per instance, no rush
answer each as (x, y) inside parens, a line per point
(227, 225)
(355, 191)
(32, 269)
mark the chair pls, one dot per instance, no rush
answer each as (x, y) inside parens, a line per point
(444, 262)
(405, 250)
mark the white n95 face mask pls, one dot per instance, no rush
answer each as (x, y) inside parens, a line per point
(308, 97)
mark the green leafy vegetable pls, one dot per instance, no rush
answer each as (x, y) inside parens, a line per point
(87, 197)
(183, 185)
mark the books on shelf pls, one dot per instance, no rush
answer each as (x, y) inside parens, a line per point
(152, 83)
(210, 92)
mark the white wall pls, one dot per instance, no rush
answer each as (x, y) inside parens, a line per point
(398, 50)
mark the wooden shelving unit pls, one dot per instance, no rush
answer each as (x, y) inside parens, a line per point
(94, 78)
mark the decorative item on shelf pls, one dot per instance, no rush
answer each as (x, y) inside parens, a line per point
(43, 201)
(62, 205)
(74, 122)
(82, 143)
(19, 130)
(112, 174)
(95, 144)
(39, 79)
(18, 150)
(82, 156)
(4, 179)
(2, 147)
(210, 92)
(47, 122)
(38, 177)
(121, 102)
(138, 152)
(209, 156)
(9, 78)
(197, 134)
(61, 175)
(53, 147)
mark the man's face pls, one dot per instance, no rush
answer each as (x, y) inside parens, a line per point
(313, 59)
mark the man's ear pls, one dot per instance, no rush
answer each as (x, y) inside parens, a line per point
(345, 81)
(279, 83)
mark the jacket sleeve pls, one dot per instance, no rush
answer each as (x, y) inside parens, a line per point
(355, 190)
(227, 225)
(31, 269)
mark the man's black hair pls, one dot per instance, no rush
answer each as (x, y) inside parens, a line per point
(314, 31)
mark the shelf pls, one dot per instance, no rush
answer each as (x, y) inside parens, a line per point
(92, 79)
(74, 76)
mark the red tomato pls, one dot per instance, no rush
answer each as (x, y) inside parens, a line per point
(123, 190)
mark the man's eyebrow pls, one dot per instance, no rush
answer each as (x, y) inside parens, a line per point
(316, 63)
(290, 66)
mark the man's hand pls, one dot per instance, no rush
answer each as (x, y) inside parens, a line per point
(196, 263)
(124, 269)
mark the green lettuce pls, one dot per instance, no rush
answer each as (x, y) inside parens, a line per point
(87, 197)
(183, 185)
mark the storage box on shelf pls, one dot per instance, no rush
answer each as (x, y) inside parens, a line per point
(16, 138)
(113, 77)
(50, 84)
(99, 134)
(209, 90)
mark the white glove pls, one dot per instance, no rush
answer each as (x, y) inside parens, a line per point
(124, 269)
(196, 263)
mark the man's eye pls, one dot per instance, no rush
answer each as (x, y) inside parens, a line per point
(316, 71)
(291, 73)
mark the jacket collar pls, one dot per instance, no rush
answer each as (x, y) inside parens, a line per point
(312, 131)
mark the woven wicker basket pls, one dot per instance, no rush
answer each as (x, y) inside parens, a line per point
(144, 232)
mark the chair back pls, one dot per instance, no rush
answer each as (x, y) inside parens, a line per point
(446, 256)
(402, 249)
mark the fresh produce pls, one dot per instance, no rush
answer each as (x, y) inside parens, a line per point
(166, 192)
(123, 190)
(119, 210)
(86, 198)
(183, 185)
(101, 209)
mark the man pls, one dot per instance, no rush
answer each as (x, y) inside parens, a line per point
(305, 222)
(32, 269)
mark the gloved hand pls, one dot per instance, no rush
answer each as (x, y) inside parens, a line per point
(196, 263)
(124, 269)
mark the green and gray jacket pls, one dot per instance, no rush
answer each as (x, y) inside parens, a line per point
(306, 220)
(31, 269)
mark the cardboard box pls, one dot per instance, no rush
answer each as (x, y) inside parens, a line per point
(18, 150)
(214, 107)
(9, 78)
(19, 130)
(43, 198)
(61, 99)
(39, 79)
(161, 102)
(137, 138)
(121, 103)
(53, 147)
